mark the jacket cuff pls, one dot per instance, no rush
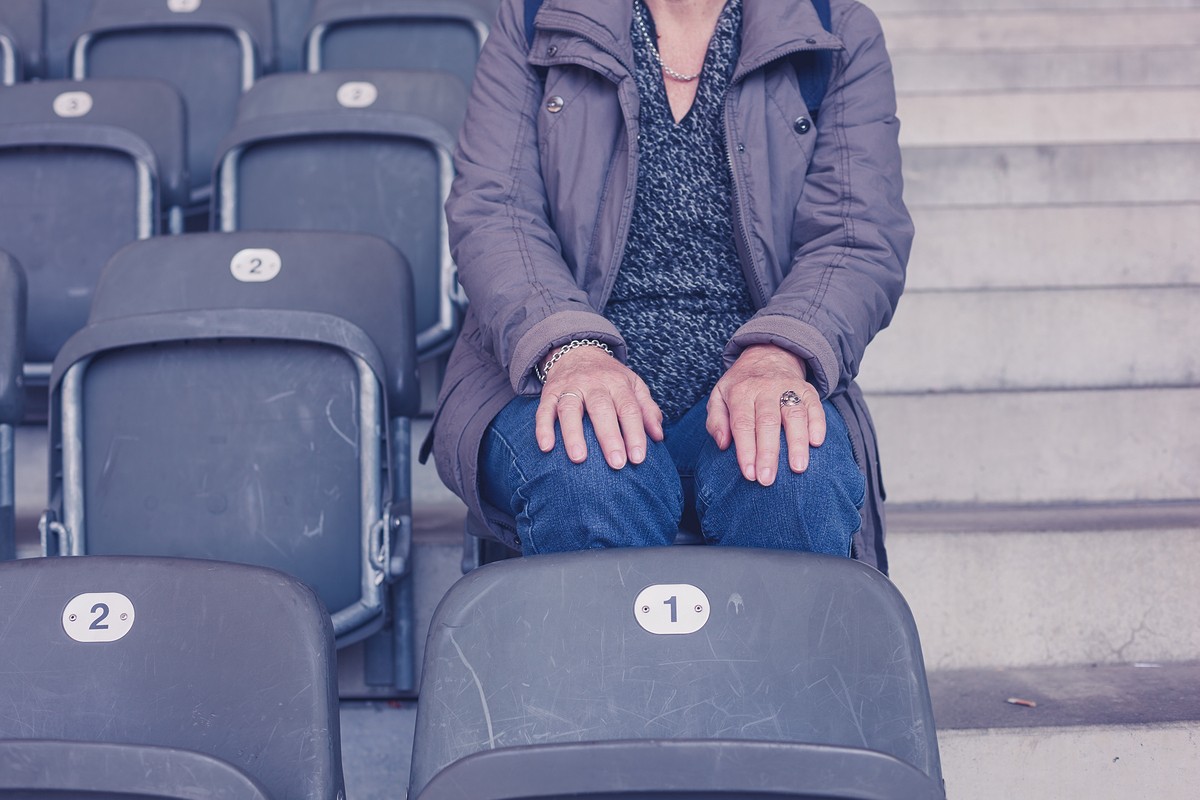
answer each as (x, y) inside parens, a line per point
(555, 331)
(824, 369)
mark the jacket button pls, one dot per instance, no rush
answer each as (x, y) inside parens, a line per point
(802, 125)
(810, 40)
(552, 50)
(554, 104)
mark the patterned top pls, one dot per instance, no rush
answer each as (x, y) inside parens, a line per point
(680, 293)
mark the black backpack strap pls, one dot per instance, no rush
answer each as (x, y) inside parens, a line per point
(812, 69)
(531, 9)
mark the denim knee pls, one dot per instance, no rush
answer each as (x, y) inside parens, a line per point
(562, 506)
(814, 511)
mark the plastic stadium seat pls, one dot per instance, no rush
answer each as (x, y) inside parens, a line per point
(20, 40)
(210, 51)
(145, 677)
(674, 673)
(86, 168)
(12, 393)
(63, 18)
(399, 34)
(291, 24)
(244, 397)
(352, 151)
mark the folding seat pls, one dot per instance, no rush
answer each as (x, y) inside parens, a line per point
(352, 151)
(20, 40)
(12, 393)
(210, 51)
(674, 673)
(291, 24)
(86, 168)
(399, 34)
(245, 397)
(165, 678)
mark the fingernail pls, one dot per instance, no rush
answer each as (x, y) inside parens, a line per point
(748, 471)
(576, 454)
(616, 459)
(636, 455)
(764, 476)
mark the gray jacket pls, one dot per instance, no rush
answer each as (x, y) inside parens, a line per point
(540, 211)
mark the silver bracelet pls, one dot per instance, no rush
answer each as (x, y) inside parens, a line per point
(542, 372)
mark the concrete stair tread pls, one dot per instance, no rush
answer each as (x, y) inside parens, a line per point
(1036, 30)
(1034, 339)
(977, 247)
(1048, 117)
(1041, 518)
(1052, 175)
(926, 72)
(1119, 694)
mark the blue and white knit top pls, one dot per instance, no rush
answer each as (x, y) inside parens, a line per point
(680, 293)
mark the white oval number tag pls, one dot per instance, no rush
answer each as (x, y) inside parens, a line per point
(357, 94)
(98, 617)
(255, 265)
(72, 104)
(669, 608)
(183, 6)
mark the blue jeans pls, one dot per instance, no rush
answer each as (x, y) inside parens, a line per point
(685, 479)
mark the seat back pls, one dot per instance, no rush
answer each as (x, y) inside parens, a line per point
(442, 35)
(230, 398)
(20, 41)
(692, 644)
(368, 152)
(210, 51)
(155, 667)
(12, 392)
(87, 168)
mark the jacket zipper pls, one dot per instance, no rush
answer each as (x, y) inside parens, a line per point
(750, 270)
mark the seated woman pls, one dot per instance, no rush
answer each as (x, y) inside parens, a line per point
(673, 268)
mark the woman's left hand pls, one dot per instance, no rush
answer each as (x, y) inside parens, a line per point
(744, 409)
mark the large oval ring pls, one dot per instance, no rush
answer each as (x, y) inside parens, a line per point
(790, 398)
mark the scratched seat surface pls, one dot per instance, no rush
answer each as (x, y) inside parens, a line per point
(670, 658)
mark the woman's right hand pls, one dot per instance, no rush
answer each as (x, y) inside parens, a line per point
(589, 380)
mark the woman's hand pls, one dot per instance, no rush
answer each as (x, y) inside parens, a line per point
(587, 379)
(744, 409)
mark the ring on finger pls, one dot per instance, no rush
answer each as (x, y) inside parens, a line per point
(576, 395)
(790, 398)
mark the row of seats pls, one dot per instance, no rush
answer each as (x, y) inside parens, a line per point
(101, 163)
(671, 675)
(53, 38)
(247, 396)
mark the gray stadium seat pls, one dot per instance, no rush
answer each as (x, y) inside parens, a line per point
(352, 151)
(87, 168)
(399, 34)
(63, 18)
(291, 24)
(244, 397)
(210, 51)
(12, 392)
(153, 678)
(674, 673)
(20, 40)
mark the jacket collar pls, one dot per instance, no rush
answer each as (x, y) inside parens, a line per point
(770, 28)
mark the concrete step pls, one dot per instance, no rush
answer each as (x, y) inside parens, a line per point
(1073, 29)
(1107, 733)
(897, 7)
(1052, 175)
(955, 71)
(1014, 587)
(1091, 446)
(1053, 246)
(1038, 339)
(1050, 117)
